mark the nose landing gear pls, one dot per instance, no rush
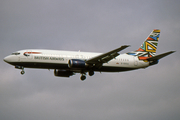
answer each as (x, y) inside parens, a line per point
(22, 72)
(20, 67)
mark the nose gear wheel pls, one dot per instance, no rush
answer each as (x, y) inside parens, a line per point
(22, 72)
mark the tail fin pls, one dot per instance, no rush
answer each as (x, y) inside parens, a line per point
(150, 44)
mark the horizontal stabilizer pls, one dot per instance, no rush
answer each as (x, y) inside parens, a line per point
(157, 57)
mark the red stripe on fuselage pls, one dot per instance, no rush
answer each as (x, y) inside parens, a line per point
(32, 52)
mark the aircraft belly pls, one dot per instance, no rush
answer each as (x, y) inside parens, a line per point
(44, 65)
(113, 69)
(48, 62)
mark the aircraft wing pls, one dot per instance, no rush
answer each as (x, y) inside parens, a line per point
(104, 58)
(157, 57)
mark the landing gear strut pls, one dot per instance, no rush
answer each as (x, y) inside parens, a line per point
(22, 72)
(20, 67)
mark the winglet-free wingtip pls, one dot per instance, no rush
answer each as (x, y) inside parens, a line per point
(126, 45)
(172, 51)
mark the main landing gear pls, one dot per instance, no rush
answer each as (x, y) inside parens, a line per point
(91, 73)
(83, 75)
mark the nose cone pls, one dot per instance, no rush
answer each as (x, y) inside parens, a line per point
(11, 59)
(7, 59)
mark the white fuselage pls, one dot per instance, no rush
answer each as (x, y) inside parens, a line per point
(67, 63)
(56, 59)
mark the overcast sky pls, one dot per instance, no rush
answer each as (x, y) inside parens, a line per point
(95, 26)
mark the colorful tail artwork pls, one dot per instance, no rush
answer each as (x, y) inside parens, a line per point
(149, 46)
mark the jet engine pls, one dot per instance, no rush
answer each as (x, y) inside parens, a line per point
(76, 63)
(63, 73)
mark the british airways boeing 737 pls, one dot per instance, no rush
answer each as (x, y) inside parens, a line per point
(67, 63)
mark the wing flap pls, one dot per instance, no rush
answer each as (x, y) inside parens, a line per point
(104, 58)
(109, 57)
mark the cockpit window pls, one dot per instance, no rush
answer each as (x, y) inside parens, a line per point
(16, 53)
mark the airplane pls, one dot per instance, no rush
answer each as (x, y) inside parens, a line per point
(67, 63)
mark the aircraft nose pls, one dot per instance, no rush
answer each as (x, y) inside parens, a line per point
(11, 59)
(7, 59)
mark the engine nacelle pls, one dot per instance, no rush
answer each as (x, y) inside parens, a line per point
(76, 63)
(63, 73)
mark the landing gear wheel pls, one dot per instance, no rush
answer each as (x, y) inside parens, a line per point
(83, 77)
(22, 72)
(91, 73)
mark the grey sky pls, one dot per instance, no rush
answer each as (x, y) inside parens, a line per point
(95, 26)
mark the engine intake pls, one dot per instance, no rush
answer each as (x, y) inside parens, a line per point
(63, 73)
(76, 63)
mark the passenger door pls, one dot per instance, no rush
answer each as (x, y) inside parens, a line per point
(135, 61)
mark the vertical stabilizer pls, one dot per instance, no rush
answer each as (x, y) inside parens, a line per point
(150, 44)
